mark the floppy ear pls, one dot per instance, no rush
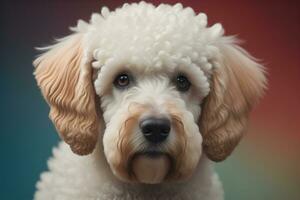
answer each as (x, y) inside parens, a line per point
(236, 86)
(65, 78)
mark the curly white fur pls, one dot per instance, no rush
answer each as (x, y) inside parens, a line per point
(153, 45)
(152, 37)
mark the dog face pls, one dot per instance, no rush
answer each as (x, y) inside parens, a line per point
(156, 84)
(151, 117)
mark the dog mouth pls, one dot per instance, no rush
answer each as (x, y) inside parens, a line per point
(150, 167)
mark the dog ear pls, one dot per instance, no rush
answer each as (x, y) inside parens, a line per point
(236, 86)
(65, 79)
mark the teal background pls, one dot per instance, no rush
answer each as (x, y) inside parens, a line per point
(259, 169)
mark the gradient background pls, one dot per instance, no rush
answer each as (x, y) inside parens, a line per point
(266, 163)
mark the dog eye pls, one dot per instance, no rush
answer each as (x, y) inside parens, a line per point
(122, 81)
(182, 83)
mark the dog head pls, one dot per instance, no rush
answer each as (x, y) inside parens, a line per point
(154, 86)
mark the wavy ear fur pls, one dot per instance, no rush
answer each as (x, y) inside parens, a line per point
(65, 79)
(236, 86)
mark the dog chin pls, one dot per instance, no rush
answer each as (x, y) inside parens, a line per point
(151, 167)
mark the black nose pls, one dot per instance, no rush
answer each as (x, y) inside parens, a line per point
(155, 130)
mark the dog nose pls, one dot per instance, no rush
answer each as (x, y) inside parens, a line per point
(155, 130)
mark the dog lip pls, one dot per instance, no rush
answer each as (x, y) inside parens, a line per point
(152, 153)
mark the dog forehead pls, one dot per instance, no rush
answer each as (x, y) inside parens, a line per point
(143, 34)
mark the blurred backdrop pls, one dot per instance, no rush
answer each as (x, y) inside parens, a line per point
(266, 163)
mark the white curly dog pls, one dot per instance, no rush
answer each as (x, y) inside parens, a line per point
(149, 95)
